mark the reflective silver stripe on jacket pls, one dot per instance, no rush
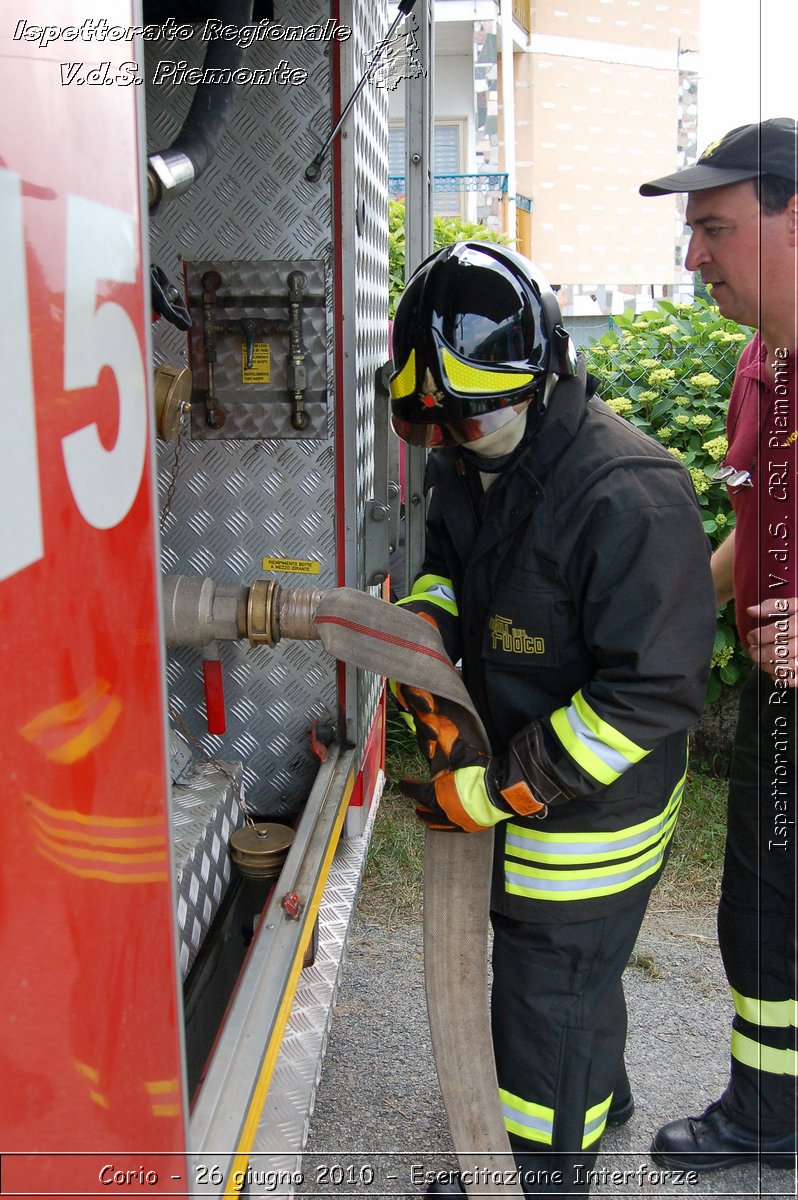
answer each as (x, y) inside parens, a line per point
(643, 847)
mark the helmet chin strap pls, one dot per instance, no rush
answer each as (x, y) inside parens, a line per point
(551, 384)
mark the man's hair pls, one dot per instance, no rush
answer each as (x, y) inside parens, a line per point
(773, 193)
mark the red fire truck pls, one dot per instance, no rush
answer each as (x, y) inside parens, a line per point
(194, 314)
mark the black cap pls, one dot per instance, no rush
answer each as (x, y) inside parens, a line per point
(770, 148)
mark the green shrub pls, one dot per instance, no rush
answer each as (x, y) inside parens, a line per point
(445, 231)
(669, 371)
(396, 253)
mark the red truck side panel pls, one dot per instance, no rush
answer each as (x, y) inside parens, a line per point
(90, 1053)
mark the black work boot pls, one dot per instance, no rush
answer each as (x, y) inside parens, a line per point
(714, 1141)
(621, 1111)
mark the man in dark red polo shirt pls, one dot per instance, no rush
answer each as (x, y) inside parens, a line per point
(742, 210)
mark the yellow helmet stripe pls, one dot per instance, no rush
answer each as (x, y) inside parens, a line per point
(465, 378)
(404, 382)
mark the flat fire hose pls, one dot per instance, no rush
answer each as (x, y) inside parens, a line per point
(366, 632)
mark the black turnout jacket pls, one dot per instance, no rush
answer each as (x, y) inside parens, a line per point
(584, 616)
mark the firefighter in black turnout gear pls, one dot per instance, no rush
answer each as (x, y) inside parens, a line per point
(567, 569)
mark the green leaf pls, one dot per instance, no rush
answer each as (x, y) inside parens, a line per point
(661, 407)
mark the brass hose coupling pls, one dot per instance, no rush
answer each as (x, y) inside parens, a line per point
(273, 613)
(198, 611)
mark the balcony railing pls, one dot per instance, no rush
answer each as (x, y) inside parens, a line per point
(496, 182)
(522, 13)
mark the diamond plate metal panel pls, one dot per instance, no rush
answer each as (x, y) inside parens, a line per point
(283, 1127)
(259, 289)
(237, 501)
(205, 813)
(364, 211)
(253, 202)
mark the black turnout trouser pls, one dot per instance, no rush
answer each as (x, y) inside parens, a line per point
(559, 1030)
(756, 918)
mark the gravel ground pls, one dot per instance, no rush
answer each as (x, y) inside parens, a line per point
(379, 1122)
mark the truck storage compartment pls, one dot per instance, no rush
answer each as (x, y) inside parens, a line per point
(205, 813)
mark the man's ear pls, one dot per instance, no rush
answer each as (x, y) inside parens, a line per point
(792, 214)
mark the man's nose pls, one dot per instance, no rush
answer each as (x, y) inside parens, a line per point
(696, 254)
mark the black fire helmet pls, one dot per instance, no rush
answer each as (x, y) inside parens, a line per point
(472, 337)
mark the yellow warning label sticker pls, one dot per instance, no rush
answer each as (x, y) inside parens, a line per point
(295, 566)
(261, 369)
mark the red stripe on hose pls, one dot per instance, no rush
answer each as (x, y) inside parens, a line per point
(384, 637)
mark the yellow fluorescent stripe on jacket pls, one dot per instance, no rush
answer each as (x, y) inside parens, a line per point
(774, 1014)
(535, 884)
(763, 1058)
(433, 589)
(535, 846)
(596, 747)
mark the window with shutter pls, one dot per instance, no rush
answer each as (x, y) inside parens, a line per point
(447, 161)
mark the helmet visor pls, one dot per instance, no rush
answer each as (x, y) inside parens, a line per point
(467, 391)
(454, 433)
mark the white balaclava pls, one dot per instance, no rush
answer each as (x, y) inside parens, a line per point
(504, 440)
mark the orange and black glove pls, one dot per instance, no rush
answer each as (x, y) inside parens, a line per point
(414, 702)
(468, 790)
(415, 707)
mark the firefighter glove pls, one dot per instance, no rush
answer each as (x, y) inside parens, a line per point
(415, 706)
(468, 790)
(414, 702)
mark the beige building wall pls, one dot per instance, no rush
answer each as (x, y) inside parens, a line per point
(597, 100)
(651, 24)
